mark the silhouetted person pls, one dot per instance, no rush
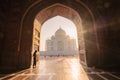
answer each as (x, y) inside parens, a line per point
(34, 59)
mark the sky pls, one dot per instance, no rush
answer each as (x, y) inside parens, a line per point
(52, 25)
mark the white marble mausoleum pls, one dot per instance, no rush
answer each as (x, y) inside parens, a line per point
(60, 44)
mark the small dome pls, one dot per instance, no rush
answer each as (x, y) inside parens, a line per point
(60, 32)
(52, 37)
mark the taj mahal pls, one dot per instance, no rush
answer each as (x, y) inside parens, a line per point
(60, 44)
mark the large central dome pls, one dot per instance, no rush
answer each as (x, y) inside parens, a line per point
(60, 32)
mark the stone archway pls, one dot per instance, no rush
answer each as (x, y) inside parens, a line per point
(89, 29)
(66, 12)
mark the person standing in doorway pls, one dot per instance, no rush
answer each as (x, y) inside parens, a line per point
(34, 59)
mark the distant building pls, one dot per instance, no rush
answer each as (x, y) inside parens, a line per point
(60, 44)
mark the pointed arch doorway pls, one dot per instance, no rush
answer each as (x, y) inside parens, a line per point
(76, 12)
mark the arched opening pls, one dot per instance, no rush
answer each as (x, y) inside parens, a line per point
(55, 10)
(50, 27)
(82, 16)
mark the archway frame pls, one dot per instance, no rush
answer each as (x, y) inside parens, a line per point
(88, 23)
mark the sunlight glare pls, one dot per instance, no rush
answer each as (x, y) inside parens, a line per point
(75, 68)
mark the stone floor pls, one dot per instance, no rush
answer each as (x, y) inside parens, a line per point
(61, 68)
(52, 68)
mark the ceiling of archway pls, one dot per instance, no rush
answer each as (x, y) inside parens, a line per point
(58, 9)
